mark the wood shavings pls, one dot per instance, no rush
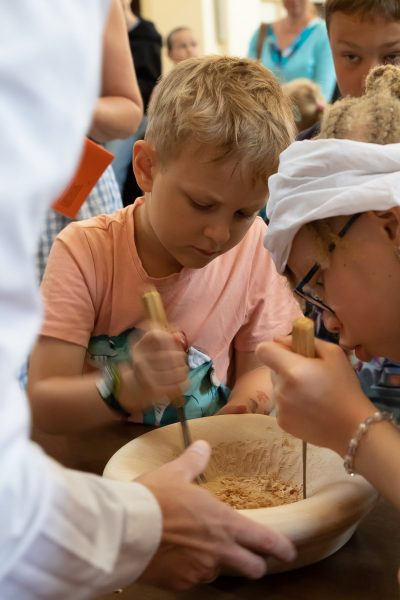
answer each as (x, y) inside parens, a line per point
(258, 491)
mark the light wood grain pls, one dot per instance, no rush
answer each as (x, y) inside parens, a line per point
(318, 526)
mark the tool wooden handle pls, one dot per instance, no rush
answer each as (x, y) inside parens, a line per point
(303, 337)
(155, 308)
(303, 343)
(156, 314)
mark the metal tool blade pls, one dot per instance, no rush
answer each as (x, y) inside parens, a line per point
(304, 457)
(187, 439)
(184, 426)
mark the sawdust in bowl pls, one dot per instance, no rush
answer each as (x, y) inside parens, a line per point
(246, 474)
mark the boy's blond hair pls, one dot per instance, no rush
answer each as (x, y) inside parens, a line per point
(366, 9)
(233, 105)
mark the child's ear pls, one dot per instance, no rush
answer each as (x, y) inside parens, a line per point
(143, 163)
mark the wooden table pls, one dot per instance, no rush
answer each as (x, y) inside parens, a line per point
(364, 569)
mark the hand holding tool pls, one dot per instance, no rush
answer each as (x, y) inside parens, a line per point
(156, 314)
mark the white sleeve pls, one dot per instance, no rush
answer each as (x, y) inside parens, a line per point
(63, 534)
(74, 534)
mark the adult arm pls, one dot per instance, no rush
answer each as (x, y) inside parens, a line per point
(321, 401)
(119, 109)
(63, 535)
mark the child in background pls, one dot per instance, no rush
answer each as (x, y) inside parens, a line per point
(182, 44)
(195, 236)
(362, 35)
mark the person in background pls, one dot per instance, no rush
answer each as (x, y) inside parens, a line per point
(67, 534)
(145, 43)
(336, 235)
(204, 166)
(181, 44)
(117, 114)
(296, 47)
(363, 34)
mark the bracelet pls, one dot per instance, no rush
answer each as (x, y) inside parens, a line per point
(108, 387)
(362, 429)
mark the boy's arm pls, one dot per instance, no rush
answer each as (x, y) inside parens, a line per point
(64, 399)
(252, 392)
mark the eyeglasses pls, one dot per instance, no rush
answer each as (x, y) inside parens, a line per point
(308, 296)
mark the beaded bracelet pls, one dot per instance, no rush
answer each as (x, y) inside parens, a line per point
(362, 430)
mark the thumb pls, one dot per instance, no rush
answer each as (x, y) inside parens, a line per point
(193, 460)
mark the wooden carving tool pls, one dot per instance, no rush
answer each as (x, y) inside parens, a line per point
(156, 314)
(303, 343)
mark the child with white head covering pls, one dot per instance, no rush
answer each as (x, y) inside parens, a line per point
(334, 213)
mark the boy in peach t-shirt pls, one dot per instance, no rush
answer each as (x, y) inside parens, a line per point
(195, 236)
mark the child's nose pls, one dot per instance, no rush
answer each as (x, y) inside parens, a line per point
(219, 233)
(331, 322)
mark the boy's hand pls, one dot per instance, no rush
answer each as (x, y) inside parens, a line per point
(252, 392)
(259, 404)
(159, 371)
(201, 535)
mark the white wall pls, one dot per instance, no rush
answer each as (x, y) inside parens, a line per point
(168, 14)
(243, 18)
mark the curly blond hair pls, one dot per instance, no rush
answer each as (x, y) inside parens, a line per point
(374, 117)
(234, 105)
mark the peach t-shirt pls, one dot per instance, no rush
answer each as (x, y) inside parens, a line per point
(94, 281)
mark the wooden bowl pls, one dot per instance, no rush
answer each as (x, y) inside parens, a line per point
(255, 445)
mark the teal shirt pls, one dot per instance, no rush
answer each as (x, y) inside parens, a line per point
(204, 398)
(309, 56)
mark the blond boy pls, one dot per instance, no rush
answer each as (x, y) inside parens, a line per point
(216, 128)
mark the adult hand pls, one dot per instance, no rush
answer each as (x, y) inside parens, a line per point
(317, 399)
(201, 535)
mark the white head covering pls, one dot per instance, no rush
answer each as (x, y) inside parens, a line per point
(326, 178)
